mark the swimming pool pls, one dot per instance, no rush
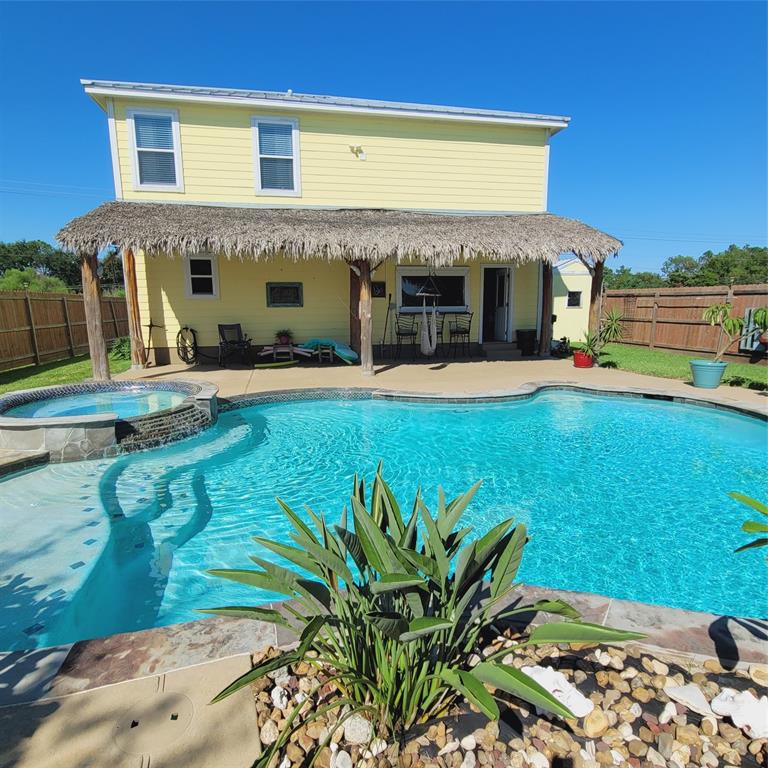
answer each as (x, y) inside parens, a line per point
(622, 496)
(126, 403)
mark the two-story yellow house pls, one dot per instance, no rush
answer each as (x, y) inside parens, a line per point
(326, 216)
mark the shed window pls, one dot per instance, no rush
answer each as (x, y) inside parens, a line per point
(574, 298)
(285, 295)
(277, 161)
(201, 277)
(157, 161)
(452, 284)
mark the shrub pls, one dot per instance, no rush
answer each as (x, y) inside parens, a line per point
(30, 280)
(753, 526)
(121, 348)
(395, 609)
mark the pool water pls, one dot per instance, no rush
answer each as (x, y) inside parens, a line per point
(126, 403)
(622, 496)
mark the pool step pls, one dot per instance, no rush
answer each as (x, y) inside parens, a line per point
(501, 350)
(14, 461)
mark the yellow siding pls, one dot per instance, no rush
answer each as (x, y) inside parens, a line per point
(242, 299)
(572, 322)
(410, 163)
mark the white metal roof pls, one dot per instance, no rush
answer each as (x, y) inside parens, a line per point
(306, 101)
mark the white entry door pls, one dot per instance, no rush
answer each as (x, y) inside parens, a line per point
(501, 324)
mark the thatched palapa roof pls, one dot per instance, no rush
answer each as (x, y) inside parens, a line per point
(440, 239)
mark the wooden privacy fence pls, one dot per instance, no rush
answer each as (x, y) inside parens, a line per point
(43, 327)
(671, 318)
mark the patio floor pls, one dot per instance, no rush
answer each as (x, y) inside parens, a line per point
(472, 377)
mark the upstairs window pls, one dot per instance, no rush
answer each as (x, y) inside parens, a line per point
(276, 149)
(202, 280)
(574, 298)
(156, 149)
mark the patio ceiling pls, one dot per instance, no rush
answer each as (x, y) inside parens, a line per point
(352, 234)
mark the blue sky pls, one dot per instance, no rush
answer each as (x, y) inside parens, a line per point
(667, 147)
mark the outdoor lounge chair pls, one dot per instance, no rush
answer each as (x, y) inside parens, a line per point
(458, 333)
(231, 341)
(406, 329)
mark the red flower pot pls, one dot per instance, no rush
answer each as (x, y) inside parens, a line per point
(284, 339)
(582, 359)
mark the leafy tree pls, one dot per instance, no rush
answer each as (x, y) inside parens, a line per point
(43, 258)
(624, 277)
(747, 265)
(680, 270)
(30, 280)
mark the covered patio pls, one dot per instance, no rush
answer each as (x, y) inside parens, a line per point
(363, 239)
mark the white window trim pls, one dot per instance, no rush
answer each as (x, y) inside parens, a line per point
(296, 157)
(214, 275)
(442, 271)
(174, 115)
(574, 306)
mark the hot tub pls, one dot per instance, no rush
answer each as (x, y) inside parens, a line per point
(98, 419)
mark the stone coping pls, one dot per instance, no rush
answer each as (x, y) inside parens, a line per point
(523, 392)
(197, 390)
(45, 673)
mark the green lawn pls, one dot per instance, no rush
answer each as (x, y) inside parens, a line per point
(674, 365)
(69, 371)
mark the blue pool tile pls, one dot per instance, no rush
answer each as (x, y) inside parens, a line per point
(92, 523)
(78, 564)
(57, 593)
(34, 629)
(88, 542)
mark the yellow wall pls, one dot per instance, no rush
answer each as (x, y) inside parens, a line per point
(572, 322)
(410, 163)
(242, 299)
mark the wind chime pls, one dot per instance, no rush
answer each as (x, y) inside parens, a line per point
(429, 290)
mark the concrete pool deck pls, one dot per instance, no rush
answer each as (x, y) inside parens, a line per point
(474, 377)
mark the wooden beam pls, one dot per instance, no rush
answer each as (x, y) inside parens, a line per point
(354, 309)
(366, 318)
(545, 337)
(89, 267)
(596, 297)
(138, 350)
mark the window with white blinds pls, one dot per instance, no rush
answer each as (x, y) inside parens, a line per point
(157, 162)
(277, 156)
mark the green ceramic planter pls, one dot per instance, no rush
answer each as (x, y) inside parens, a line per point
(707, 374)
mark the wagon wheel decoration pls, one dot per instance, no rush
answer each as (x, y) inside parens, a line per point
(186, 345)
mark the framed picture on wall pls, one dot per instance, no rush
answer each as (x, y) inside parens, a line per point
(379, 289)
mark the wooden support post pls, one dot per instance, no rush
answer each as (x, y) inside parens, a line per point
(596, 297)
(89, 266)
(354, 310)
(654, 315)
(545, 337)
(138, 350)
(70, 337)
(366, 318)
(32, 329)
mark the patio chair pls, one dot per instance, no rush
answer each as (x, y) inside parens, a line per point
(458, 333)
(231, 341)
(406, 330)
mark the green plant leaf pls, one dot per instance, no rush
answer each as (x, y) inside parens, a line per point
(752, 545)
(296, 521)
(474, 691)
(506, 567)
(253, 579)
(426, 625)
(389, 623)
(519, 684)
(377, 546)
(435, 544)
(249, 612)
(254, 674)
(750, 502)
(352, 542)
(579, 632)
(456, 509)
(558, 607)
(292, 554)
(753, 526)
(331, 561)
(393, 581)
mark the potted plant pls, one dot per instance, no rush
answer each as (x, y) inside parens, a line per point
(284, 337)
(707, 374)
(611, 329)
